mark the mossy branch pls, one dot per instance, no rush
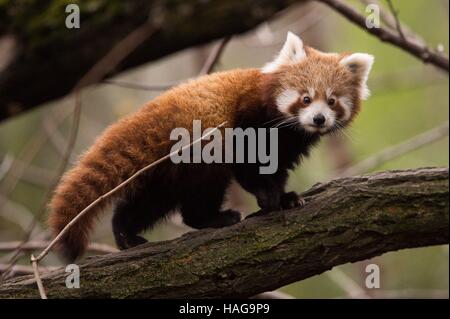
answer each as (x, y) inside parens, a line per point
(345, 220)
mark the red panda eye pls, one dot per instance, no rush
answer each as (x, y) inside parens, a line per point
(307, 100)
(331, 102)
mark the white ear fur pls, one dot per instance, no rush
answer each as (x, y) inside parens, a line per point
(360, 64)
(291, 53)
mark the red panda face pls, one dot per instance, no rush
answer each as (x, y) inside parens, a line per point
(321, 91)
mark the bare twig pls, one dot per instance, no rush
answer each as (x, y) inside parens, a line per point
(347, 284)
(17, 169)
(422, 52)
(38, 278)
(55, 136)
(301, 25)
(71, 143)
(398, 25)
(139, 86)
(390, 210)
(31, 173)
(41, 244)
(390, 21)
(16, 213)
(118, 188)
(398, 150)
(214, 56)
(19, 270)
(116, 55)
(209, 65)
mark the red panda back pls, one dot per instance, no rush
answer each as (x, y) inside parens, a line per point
(136, 141)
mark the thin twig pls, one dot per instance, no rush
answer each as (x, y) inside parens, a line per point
(209, 65)
(19, 270)
(41, 244)
(347, 284)
(139, 86)
(118, 188)
(16, 213)
(214, 56)
(38, 278)
(400, 149)
(301, 25)
(115, 56)
(71, 143)
(422, 52)
(390, 22)
(398, 25)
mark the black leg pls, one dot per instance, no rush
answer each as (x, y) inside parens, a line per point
(135, 215)
(202, 208)
(268, 189)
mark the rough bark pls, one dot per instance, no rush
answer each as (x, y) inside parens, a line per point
(345, 220)
(42, 59)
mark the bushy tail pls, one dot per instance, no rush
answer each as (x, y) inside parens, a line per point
(78, 188)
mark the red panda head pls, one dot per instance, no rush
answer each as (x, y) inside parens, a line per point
(321, 91)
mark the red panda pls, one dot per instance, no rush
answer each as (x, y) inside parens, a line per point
(315, 93)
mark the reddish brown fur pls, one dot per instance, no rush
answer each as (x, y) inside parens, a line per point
(139, 140)
(143, 137)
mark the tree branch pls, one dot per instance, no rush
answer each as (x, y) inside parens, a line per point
(345, 220)
(55, 57)
(422, 52)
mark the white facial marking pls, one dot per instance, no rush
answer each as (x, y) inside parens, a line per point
(291, 53)
(347, 105)
(286, 99)
(328, 93)
(311, 92)
(306, 117)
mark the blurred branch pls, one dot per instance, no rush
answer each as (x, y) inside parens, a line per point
(391, 22)
(347, 284)
(119, 188)
(395, 151)
(139, 86)
(214, 56)
(115, 56)
(16, 213)
(389, 211)
(207, 68)
(20, 270)
(422, 52)
(398, 24)
(38, 245)
(181, 24)
(265, 37)
(32, 174)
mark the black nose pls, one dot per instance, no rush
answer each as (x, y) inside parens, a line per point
(319, 119)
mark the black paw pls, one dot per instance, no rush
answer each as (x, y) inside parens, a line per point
(229, 217)
(268, 201)
(128, 242)
(291, 200)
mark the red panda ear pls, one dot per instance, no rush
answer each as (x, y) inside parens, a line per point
(291, 53)
(360, 65)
